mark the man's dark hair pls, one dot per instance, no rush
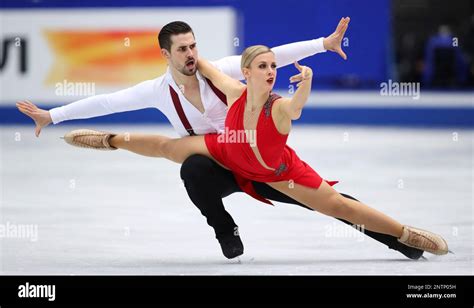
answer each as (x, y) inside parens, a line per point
(173, 28)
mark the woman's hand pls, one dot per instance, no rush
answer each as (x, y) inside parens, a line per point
(334, 41)
(306, 73)
(41, 117)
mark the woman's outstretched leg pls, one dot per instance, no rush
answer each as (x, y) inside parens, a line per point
(174, 149)
(328, 201)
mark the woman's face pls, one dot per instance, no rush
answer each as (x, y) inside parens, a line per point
(262, 71)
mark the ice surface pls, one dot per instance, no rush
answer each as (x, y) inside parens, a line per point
(119, 213)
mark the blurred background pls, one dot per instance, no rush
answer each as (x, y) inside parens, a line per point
(55, 52)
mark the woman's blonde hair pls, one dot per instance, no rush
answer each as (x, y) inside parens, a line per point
(251, 52)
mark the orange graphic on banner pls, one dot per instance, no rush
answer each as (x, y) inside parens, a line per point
(104, 57)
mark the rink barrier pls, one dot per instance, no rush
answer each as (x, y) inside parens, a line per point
(368, 108)
(462, 117)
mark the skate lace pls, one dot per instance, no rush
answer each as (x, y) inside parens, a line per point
(423, 239)
(95, 141)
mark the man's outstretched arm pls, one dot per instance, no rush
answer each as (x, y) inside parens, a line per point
(137, 97)
(290, 53)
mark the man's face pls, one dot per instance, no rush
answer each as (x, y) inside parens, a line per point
(184, 53)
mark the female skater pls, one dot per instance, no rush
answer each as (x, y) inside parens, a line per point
(254, 147)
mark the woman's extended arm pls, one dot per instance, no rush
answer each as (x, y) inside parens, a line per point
(232, 88)
(292, 107)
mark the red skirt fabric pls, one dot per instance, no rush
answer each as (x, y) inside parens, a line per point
(292, 169)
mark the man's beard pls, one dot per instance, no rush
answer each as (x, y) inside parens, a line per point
(185, 71)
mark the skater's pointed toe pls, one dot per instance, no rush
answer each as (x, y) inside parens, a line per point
(91, 139)
(424, 240)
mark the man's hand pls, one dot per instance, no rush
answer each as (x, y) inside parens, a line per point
(41, 117)
(333, 42)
